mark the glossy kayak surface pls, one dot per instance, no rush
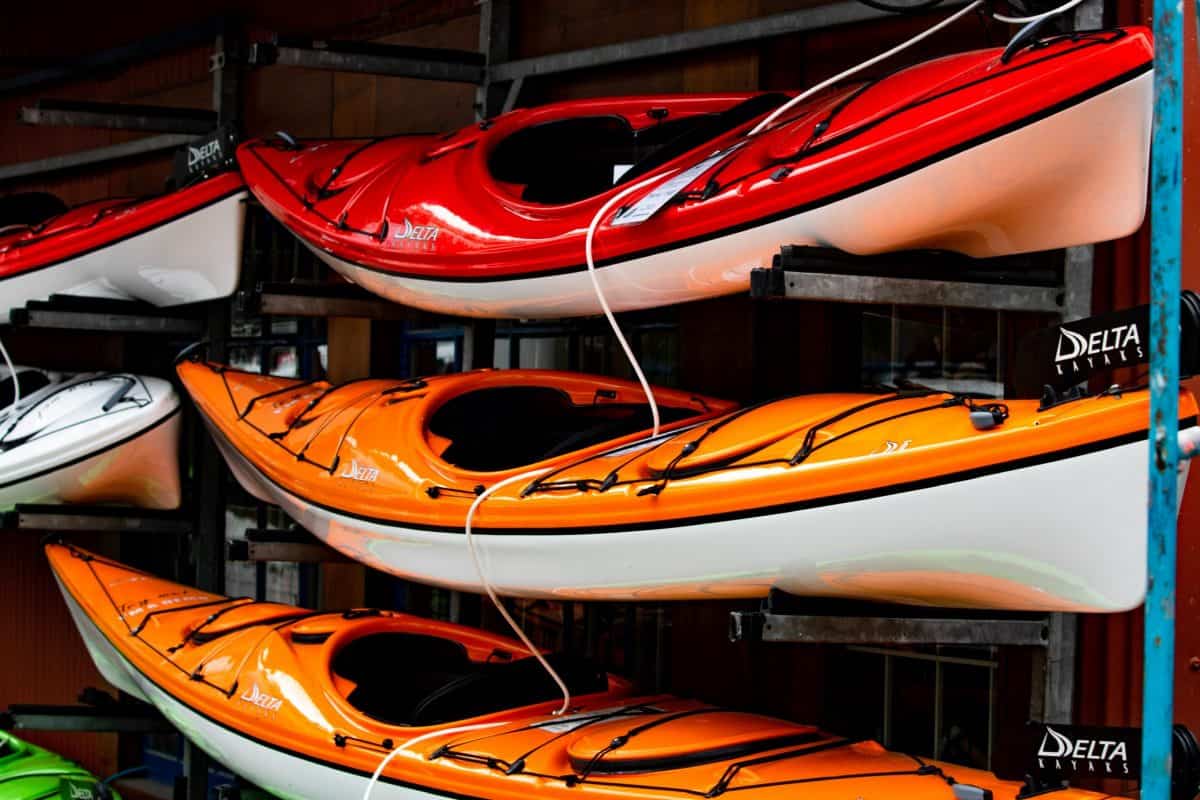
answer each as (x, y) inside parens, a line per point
(971, 153)
(826, 494)
(308, 704)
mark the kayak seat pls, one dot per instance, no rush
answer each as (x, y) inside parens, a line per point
(568, 160)
(30, 381)
(394, 672)
(511, 426)
(712, 127)
(413, 679)
(499, 686)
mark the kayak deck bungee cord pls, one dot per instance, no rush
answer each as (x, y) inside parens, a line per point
(992, 152)
(180, 247)
(309, 705)
(824, 494)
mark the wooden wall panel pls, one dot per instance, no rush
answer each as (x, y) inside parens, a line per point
(45, 660)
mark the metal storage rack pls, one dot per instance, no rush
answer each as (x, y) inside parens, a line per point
(203, 519)
(500, 81)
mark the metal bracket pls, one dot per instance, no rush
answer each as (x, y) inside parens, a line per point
(101, 314)
(101, 519)
(116, 718)
(282, 545)
(426, 63)
(933, 278)
(319, 300)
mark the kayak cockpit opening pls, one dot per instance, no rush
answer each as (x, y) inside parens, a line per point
(568, 160)
(511, 426)
(417, 679)
(27, 380)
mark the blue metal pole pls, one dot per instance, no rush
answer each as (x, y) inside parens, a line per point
(1165, 252)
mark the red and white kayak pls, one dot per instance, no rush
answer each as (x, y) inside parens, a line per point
(972, 153)
(181, 247)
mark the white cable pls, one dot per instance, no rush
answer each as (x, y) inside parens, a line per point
(491, 593)
(807, 93)
(12, 372)
(612, 321)
(388, 758)
(1037, 17)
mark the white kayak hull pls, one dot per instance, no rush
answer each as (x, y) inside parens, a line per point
(1076, 177)
(80, 453)
(1064, 535)
(188, 259)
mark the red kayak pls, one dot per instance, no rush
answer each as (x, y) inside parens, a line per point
(975, 153)
(181, 247)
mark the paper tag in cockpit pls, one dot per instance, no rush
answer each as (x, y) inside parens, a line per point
(662, 194)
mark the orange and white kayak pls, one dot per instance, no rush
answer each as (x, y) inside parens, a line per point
(310, 705)
(897, 497)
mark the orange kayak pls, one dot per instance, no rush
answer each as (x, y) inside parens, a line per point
(310, 704)
(830, 494)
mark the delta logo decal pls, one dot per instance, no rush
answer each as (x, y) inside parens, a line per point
(1109, 757)
(1118, 346)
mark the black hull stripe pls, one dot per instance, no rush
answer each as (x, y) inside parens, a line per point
(131, 235)
(915, 166)
(780, 508)
(93, 454)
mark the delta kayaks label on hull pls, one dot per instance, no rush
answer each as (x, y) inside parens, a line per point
(181, 247)
(821, 495)
(91, 438)
(308, 704)
(985, 157)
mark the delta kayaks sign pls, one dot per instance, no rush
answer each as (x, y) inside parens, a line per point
(1071, 353)
(1075, 751)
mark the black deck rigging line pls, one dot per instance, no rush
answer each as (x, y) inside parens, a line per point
(323, 192)
(584, 721)
(274, 392)
(211, 618)
(435, 491)
(662, 438)
(285, 619)
(300, 419)
(57, 389)
(518, 763)
(302, 454)
(343, 739)
(621, 740)
(772, 164)
(807, 447)
(304, 201)
(612, 478)
(90, 560)
(101, 214)
(147, 617)
(733, 769)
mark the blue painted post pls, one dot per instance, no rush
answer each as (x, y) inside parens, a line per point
(1165, 252)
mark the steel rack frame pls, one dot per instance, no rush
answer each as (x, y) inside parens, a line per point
(203, 520)
(116, 717)
(1166, 239)
(119, 116)
(93, 519)
(297, 546)
(65, 312)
